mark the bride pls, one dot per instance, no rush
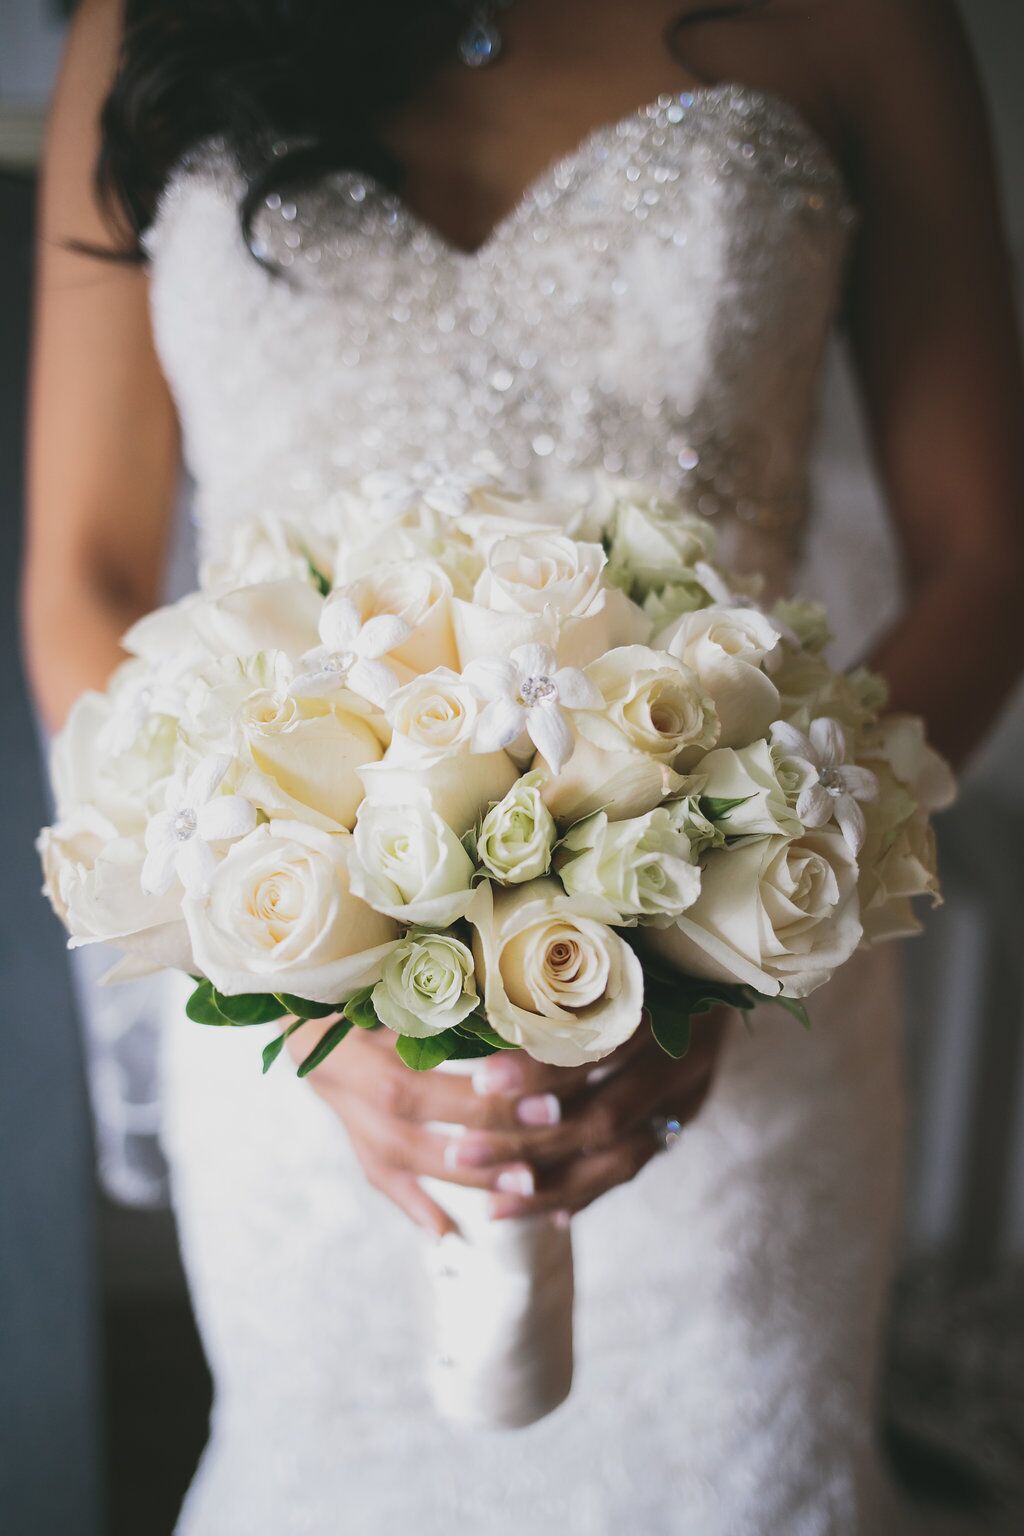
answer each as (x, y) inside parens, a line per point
(303, 242)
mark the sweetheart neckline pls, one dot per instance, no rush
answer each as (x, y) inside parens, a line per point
(722, 93)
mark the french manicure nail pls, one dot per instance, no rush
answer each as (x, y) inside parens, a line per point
(450, 1156)
(496, 1075)
(561, 1220)
(539, 1109)
(599, 1075)
(472, 1152)
(515, 1181)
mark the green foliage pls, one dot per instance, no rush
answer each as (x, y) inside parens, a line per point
(317, 576)
(303, 1009)
(716, 807)
(791, 1004)
(253, 1008)
(201, 1007)
(331, 1038)
(421, 1055)
(359, 1009)
(272, 1051)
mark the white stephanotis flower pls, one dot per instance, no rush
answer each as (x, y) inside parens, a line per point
(178, 838)
(828, 786)
(349, 653)
(528, 695)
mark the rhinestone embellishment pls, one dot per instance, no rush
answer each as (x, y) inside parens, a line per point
(184, 826)
(535, 690)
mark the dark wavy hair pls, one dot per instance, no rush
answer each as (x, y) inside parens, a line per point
(294, 88)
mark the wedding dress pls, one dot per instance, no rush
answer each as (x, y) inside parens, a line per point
(656, 307)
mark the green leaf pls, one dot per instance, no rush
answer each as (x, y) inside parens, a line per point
(272, 1051)
(469, 842)
(201, 1007)
(333, 1036)
(471, 1047)
(421, 1055)
(715, 807)
(359, 1009)
(252, 1008)
(672, 1032)
(317, 576)
(305, 1010)
(477, 1026)
(791, 1004)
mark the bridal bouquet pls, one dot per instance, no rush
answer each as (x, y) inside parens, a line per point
(495, 774)
(491, 773)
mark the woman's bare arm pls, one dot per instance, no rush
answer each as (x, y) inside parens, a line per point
(103, 441)
(936, 345)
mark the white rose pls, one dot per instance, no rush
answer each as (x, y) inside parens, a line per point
(556, 981)
(899, 740)
(419, 593)
(898, 860)
(281, 916)
(653, 703)
(727, 649)
(92, 878)
(306, 753)
(267, 547)
(269, 616)
(540, 571)
(410, 864)
(654, 543)
(122, 785)
(459, 788)
(747, 776)
(517, 835)
(611, 620)
(622, 783)
(432, 717)
(427, 985)
(641, 868)
(221, 690)
(777, 914)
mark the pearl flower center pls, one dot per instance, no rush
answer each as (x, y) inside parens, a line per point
(184, 825)
(535, 690)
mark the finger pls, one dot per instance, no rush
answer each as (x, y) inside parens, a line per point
(428, 1154)
(581, 1180)
(403, 1190)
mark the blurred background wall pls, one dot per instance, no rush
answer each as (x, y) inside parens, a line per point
(102, 1387)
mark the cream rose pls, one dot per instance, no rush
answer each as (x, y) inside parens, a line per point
(517, 835)
(642, 868)
(777, 914)
(410, 864)
(898, 860)
(432, 717)
(728, 649)
(427, 985)
(281, 916)
(540, 571)
(306, 754)
(92, 879)
(743, 794)
(123, 786)
(622, 783)
(556, 980)
(459, 788)
(653, 704)
(654, 543)
(419, 593)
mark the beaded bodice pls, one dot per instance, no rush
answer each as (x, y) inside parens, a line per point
(655, 306)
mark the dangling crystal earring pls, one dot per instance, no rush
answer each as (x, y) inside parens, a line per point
(480, 43)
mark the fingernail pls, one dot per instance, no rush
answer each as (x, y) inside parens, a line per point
(496, 1074)
(539, 1109)
(451, 1151)
(470, 1152)
(515, 1181)
(598, 1075)
(561, 1220)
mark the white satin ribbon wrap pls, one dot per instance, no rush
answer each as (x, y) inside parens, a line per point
(502, 1294)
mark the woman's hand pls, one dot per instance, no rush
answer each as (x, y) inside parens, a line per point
(540, 1138)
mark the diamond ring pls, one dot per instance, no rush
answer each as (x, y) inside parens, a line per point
(666, 1130)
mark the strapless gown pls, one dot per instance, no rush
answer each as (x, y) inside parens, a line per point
(656, 307)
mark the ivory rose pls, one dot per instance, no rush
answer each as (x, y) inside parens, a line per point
(651, 703)
(427, 985)
(556, 980)
(459, 788)
(774, 913)
(280, 916)
(642, 868)
(304, 755)
(419, 593)
(728, 650)
(410, 864)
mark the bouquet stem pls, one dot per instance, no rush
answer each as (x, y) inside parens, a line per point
(502, 1295)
